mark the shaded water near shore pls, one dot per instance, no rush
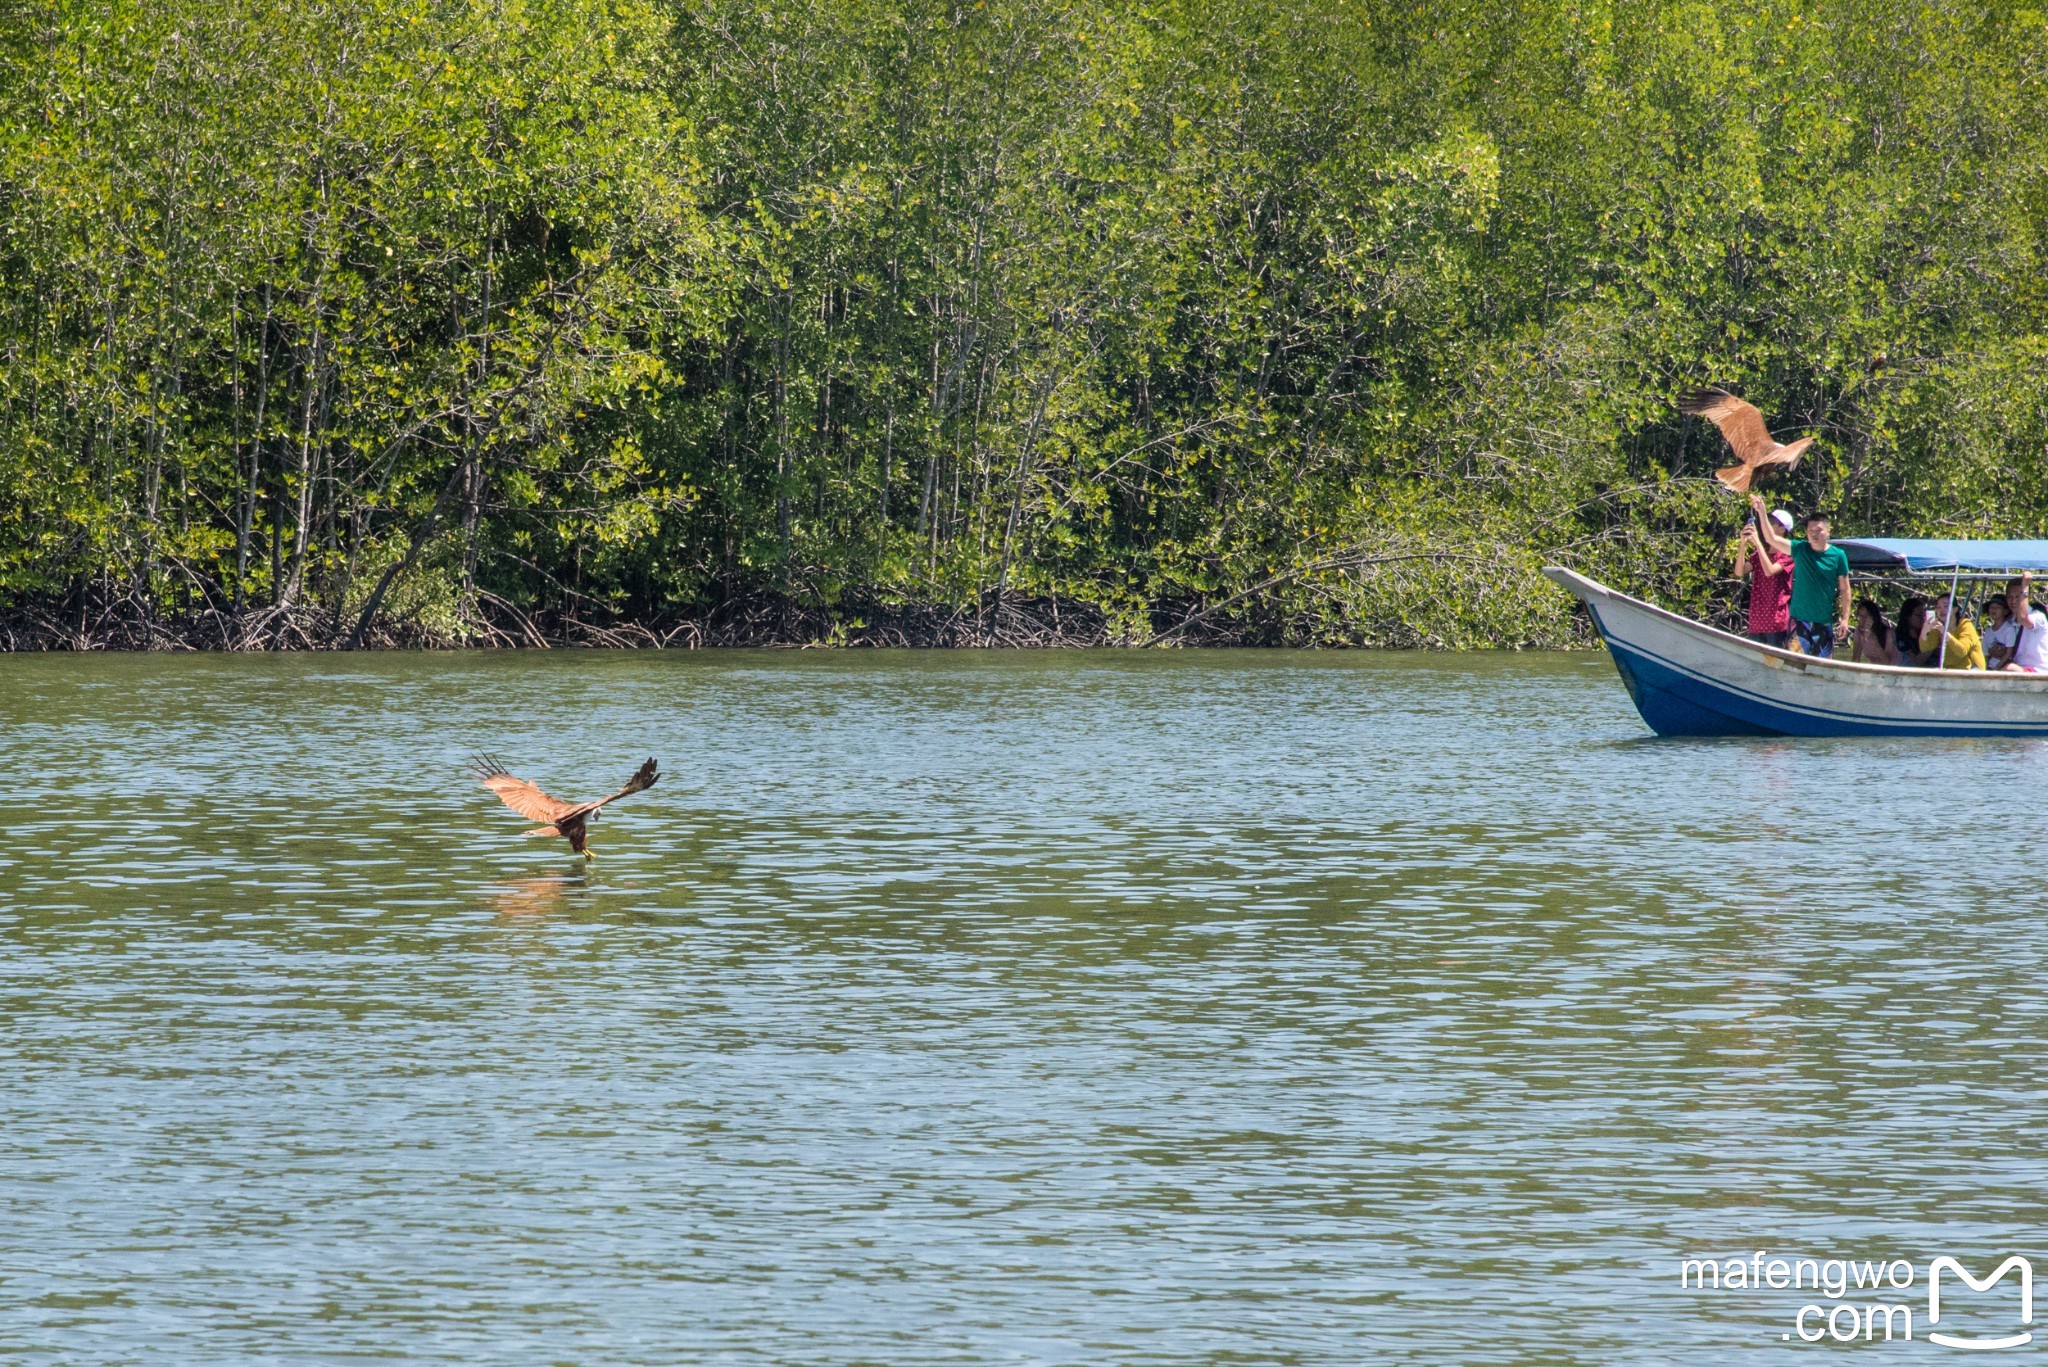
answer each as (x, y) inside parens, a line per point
(1069, 1007)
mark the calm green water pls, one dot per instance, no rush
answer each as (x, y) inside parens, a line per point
(966, 1008)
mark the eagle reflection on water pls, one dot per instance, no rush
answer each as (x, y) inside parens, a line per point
(542, 896)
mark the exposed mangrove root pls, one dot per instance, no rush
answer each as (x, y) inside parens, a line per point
(1369, 595)
(496, 623)
(1038, 623)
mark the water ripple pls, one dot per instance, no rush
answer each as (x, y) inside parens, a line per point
(984, 1008)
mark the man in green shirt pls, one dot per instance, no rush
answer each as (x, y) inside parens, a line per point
(1820, 582)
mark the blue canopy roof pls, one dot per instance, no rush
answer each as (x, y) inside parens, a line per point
(1910, 553)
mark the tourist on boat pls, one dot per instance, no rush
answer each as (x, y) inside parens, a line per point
(1820, 582)
(1963, 650)
(1769, 574)
(1912, 626)
(1872, 643)
(2030, 650)
(2000, 632)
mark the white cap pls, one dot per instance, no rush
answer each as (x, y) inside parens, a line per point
(1783, 519)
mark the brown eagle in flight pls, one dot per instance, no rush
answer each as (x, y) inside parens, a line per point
(1744, 427)
(561, 818)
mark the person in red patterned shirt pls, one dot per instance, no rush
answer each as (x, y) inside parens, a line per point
(1769, 572)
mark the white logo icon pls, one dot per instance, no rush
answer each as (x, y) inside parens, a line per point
(2026, 1301)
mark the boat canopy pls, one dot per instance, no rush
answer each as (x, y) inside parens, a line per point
(1910, 553)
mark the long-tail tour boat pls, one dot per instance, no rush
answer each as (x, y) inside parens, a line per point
(1689, 679)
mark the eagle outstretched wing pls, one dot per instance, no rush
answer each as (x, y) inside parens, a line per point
(1739, 422)
(521, 796)
(643, 778)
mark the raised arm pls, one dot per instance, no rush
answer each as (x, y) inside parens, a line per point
(1939, 623)
(1746, 551)
(1766, 528)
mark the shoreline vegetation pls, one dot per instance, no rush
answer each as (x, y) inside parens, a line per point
(992, 623)
(368, 323)
(764, 622)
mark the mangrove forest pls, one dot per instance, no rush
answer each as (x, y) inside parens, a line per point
(336, 323)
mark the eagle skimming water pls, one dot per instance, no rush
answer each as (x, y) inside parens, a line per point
(563, 818)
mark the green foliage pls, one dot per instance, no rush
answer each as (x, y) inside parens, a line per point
(1333, 321)
(299, 275)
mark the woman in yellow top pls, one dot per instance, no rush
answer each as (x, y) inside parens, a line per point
(1965, 650)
